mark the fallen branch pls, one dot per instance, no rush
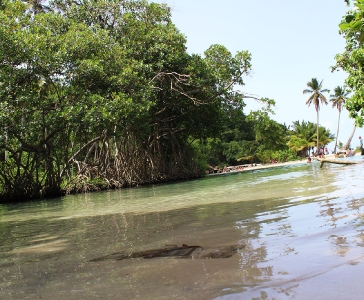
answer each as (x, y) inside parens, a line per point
(336, 161)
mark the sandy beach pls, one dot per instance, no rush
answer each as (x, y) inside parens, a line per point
(273, 165)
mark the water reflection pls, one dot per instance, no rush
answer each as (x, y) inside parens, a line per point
(292, 225)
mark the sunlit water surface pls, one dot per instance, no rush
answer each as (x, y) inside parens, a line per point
(299, 227)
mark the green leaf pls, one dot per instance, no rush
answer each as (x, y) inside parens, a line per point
(349, 18)
(356, 25)
(360, 6)
(344, 26)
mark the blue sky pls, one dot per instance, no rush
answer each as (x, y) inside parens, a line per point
(290, 42)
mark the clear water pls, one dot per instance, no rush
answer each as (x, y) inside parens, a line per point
(300, 229)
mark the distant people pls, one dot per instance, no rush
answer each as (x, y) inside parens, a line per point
(327, 151)
(360, 143)
(348, 153)
(309, 160)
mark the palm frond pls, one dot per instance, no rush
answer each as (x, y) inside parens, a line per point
(322, 98)
(339, 98)
(313, 84)
(310, 100)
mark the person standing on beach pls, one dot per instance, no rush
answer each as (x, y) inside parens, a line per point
(361, 143)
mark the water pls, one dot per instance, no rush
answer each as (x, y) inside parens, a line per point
(299, 229)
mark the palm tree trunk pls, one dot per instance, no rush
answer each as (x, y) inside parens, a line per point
(346, 146)
(337, 132)
(317, 125)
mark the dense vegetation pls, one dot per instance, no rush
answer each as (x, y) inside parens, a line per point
(351, 61)
(102, 94)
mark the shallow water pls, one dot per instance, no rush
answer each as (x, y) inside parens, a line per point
(300, 230)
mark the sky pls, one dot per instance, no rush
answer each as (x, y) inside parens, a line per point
(291, 42)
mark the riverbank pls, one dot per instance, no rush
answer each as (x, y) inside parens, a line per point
(267, 166)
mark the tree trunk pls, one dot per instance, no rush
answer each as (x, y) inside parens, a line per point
(337, 132)
(346, 146)
(317, 124)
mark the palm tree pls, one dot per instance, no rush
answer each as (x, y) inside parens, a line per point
(316, 91)
(326, 136)
(303, 136)
(300, 144)
(304, 129)
(347, 145)
(338, 100)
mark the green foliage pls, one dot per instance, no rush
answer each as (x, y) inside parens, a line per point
(304, 137)
(325, 136)
(103, 94)
(232, 151)
(352, 59)
(281, 155)
(268, 132)
(106, 91)
(298, 143)
(249, 151)
(201, 151)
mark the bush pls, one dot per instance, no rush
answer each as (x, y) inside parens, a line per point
(280, 155)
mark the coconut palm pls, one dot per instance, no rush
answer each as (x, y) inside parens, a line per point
(338, 100)
(326, 136)
(305, 129)
(316, 91)
(347, 144)
(303, 136)
(300, 144)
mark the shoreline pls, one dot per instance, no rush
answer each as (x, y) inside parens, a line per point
(268, 166)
